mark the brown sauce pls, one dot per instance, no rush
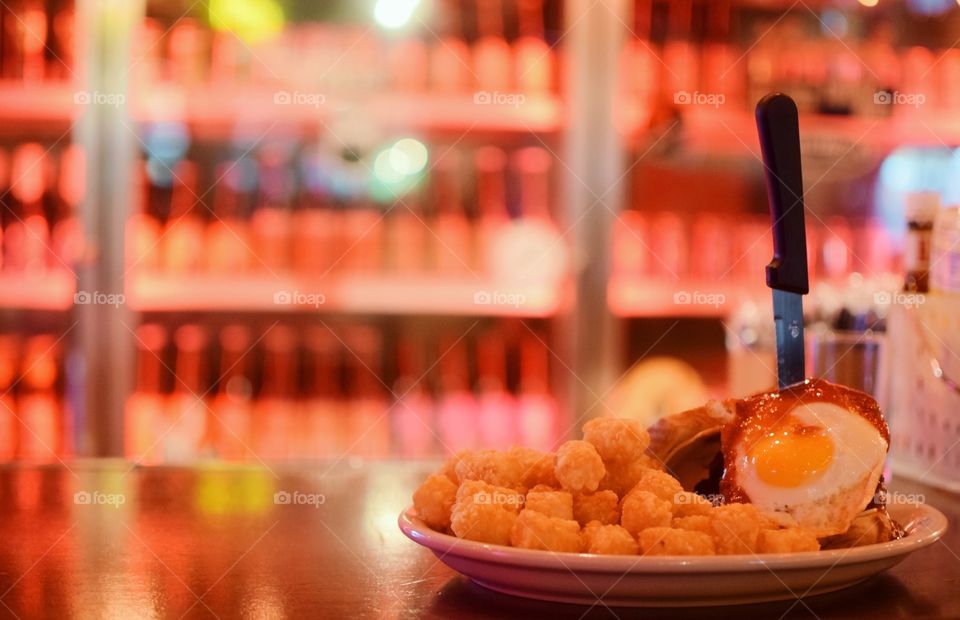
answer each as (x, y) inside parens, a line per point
(757, 414)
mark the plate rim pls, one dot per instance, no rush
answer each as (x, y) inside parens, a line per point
(934, 526)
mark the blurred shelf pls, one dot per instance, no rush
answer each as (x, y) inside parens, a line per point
(216, 110)
(38, 103)
(735, 132)
(51, 290)
(355, 294)
(644, 298)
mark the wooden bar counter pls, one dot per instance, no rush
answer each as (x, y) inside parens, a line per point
(102, 539)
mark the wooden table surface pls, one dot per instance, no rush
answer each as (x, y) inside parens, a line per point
(99, 539)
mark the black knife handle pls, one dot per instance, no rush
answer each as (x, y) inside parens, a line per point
(779, 130)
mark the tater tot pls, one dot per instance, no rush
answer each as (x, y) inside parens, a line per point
(621, 477)
(736, 528)
(434, 500)
(668, 541)
(535, 467)
(618, 440)
(484, 512)
(602, 506)
(660, 483)
(551, 503)
(579, 467)
(492, 467)
(535, 530)
(608, 540)
(694, 523)
(787, 541)
(449, 469)
(642, 510)
(687, 504)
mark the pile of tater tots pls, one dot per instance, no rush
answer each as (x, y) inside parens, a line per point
(603, 494)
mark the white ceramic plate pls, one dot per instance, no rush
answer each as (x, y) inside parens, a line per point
(674, 581)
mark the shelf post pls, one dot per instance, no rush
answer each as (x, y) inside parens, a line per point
(594, 163)
(105, 132)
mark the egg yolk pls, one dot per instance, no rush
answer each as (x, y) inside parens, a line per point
(792, 457)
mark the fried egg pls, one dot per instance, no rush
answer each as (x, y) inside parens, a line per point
(818, 462)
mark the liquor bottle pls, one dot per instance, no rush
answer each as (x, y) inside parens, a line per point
(534, 60)
(532, 250)
(630, 250)
(493, 218)
(721, 72)
(679, 52)
(9, 423)
(325, 411)
(186, 50)
(32, 39)
(412, 412)
(227, 248)
(836, 247)
(187, 406)
(275, 411)
(491, 52)
(457, 407)
(640, 63)
(232, 408)
(182, 241)
(452, 251)
(144, 227)
(62, 65)
(363, 237)
(539, 414)
(407, 235)
(38, 406)
(26, 240)
(922, 208)
(317, 227)
(150, 69)
(450, 63)
(369, 424)
(270, 223)
(146, 422)
(711, 234)
(66, 236)
(497, 415)
(409, 61)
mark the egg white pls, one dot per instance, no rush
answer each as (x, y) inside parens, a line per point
(829, 502)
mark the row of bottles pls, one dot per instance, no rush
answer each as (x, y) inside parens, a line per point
(33, 419)
(38, 40)
(837, 62)
(287, 224)
(42, 191)
(660, 245)
(457, 47)
(318, 393)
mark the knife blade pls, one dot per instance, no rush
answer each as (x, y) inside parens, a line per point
(779, 129)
